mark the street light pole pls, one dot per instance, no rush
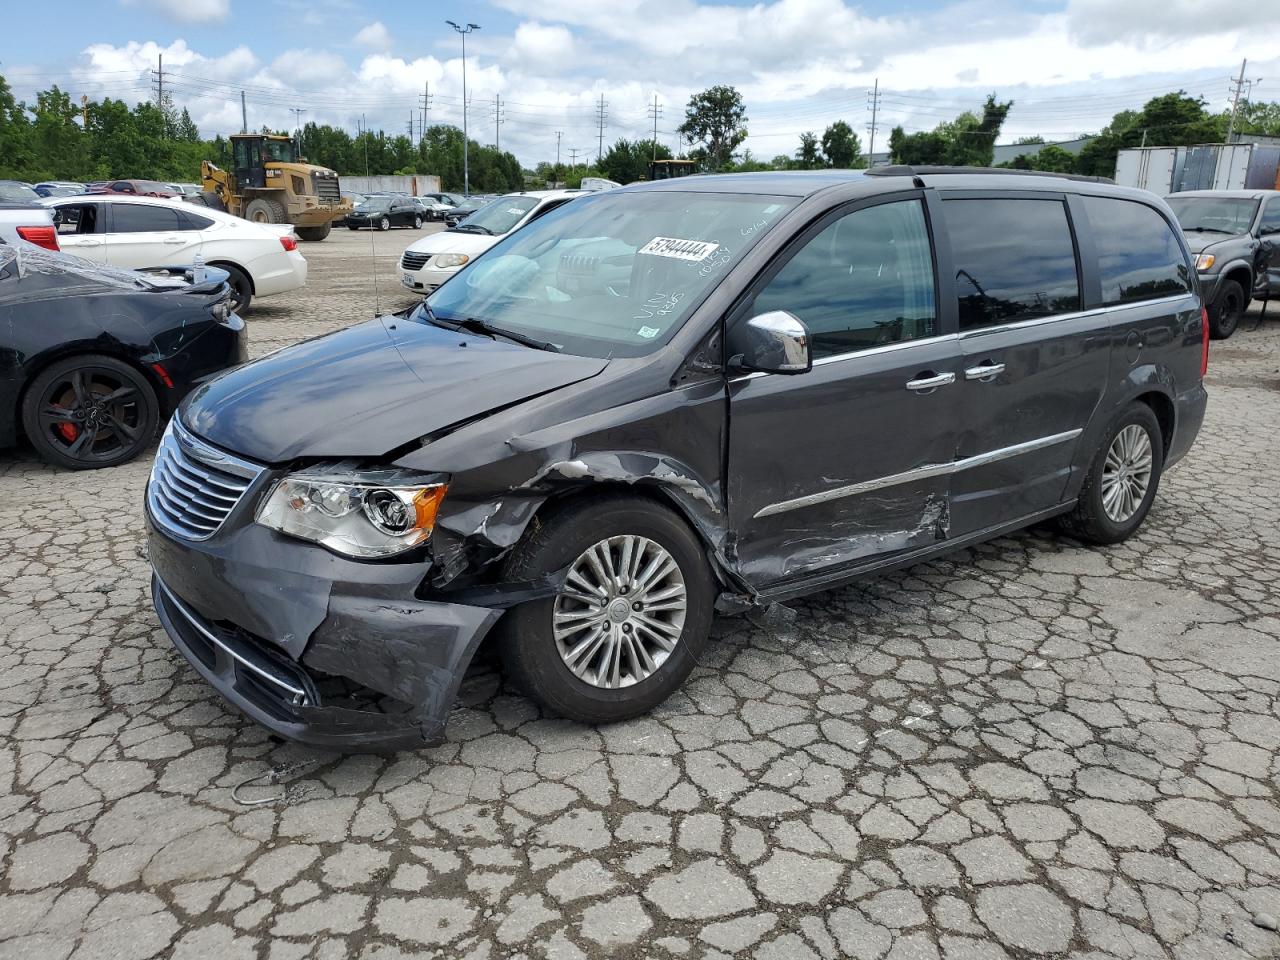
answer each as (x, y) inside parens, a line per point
(466, 172)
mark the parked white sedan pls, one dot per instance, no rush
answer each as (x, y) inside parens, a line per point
(136, 232)
(429, 262)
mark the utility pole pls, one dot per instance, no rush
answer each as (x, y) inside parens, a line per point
(556, 175)
(573, 158)
(244, 115)
(498, 121)
(601, 117)
(426, 106)
(1236, 86)
(411, 119)
(466, 170)
(159, 72)
(297, 121)
(874, 101)
(655, 111)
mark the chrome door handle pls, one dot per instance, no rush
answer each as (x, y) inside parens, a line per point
(984, 372)
(926, 384)
(173, 240)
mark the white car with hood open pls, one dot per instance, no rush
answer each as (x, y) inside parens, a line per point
(431, 261)
(262, 259)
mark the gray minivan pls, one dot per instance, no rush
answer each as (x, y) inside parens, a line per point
(656, 403)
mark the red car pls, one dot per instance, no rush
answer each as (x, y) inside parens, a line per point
(135, 188)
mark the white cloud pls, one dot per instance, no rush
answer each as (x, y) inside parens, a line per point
(537, 44)
(189, 11)
(1149, 23)
(374, 35)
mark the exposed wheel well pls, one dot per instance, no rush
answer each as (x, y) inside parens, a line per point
(1162, 407)
(231, 263)
(1241, 276)
(153, 380)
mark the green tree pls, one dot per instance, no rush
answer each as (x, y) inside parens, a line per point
(1260, 117)
(841, 147)
(1054, 159)
(186, 128)
(628, 160)
(16, 151)
(1170, 120)
(807, 157)
(715, 122)
(966, 141)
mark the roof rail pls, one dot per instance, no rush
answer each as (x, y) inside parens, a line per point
(905, 170)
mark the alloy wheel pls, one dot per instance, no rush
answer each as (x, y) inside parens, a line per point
(92, 414)
(621, 611)
(1126, 473)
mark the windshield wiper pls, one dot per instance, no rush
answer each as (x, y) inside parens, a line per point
(476, 325)
(473, 226)
(1207, 230)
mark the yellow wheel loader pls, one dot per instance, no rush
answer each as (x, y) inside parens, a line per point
(269, 183)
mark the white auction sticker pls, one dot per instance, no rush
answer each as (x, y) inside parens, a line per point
(648, 332)
(695, 251)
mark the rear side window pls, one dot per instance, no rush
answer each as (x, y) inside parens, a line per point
(193, 221)
(78, 218)
(135, 218)
(1139, 258)
(863, 281)
(1015, 260)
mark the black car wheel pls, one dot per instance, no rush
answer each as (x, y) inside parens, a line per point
(1227, 309)
(417, 222)
(384, 223)
(91, 411)
(241, 288)
(1122, 480)
(631, 619)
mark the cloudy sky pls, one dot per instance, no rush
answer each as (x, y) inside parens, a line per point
(1068, 64)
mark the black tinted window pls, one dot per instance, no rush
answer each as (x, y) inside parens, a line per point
(1015, 259)
(864, 280)
(1270, 218)
(193, 221)
(1139, 257)
(135, 218)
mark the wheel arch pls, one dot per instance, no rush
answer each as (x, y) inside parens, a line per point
(227, 262)
(1163, 407)
(1241, 273)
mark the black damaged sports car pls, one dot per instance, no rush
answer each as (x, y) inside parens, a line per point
(93, 358)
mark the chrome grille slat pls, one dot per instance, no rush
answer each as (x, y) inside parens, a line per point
(194, 487)
(414, 261)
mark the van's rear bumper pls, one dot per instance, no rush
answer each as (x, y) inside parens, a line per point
(379, 671)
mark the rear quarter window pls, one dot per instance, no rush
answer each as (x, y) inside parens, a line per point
(1139, 257)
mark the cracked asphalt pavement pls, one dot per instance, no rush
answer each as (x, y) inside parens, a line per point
(1027, 749)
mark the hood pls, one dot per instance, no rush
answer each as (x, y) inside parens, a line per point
(1198, 242)
(368, 389)
(452, 241)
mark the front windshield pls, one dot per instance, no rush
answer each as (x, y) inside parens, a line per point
(281, 151)
(609, 274)
(498, 217)
(375, 204)
(1214, 214)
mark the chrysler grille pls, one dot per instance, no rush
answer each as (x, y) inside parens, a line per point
(194, 486)
(414, 261)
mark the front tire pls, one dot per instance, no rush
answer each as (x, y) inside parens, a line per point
(90, 412)
(1122, 480)
(313, 233)
(1228, 307)
(631, 620)
(384, 224)
(417, 223)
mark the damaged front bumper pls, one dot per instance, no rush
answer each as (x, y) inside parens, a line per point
(315, 648)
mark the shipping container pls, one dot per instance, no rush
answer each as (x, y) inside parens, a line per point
(1203, 166)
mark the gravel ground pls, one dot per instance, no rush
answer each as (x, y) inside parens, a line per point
(1026, 749)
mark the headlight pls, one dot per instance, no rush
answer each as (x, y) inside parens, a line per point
(364, 514)
(1204, 261)
(447, 261)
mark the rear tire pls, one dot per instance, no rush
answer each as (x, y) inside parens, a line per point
(263, 210)
(313, 233)
(70, 420)
(417, 223)
(1226, 311)
(384, 223)
(539, 661)
(1104, 513)
(208, 198)
(241, 287)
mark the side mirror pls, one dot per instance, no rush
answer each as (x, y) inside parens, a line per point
(773, 342)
